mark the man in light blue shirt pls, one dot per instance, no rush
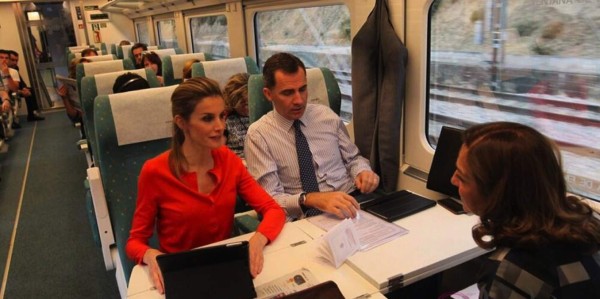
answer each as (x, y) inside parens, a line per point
(270, 147)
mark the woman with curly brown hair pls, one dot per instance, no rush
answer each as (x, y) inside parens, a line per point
(546, 241)
(238, 121)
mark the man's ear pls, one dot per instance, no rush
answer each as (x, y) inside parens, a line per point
(267, 93)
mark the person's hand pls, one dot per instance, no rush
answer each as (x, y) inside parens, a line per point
(337, 203)
(4, 69)
(62, 91)
(366, 181)
(5, 106)
(150, 260)
(26, 92)
(256, 246)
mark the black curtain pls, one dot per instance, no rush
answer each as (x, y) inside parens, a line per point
(378, 74)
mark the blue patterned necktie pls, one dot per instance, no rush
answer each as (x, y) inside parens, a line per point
(308, 178)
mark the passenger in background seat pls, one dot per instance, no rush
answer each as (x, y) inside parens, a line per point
(236, 102)
(152, 60)
(89, 52)
(26, 92)
(124, 43)
(136, 51)
(187, 68)
(546, 242)
(129, 82)
(188, 193)
(73, 108)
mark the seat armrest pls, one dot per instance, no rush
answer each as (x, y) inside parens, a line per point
(105, 231)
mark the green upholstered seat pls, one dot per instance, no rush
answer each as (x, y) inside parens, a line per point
(124, 49)
(102, 47)
(101, 84)
(222, 70)
(322, 89)
(172, 66)
(130, 130)
(99, 67)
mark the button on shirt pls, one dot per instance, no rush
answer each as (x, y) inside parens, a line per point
(271, 157)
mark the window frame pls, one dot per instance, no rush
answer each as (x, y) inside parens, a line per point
(159, 18)
(252, 9)
(201, 13)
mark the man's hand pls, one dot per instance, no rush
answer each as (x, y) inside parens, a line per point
(367, 181)
(338, 203)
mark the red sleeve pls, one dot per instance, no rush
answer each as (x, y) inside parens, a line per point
(263, 203)
(145, 213)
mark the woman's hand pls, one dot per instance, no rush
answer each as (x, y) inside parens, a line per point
(256, 246)
(150, 260)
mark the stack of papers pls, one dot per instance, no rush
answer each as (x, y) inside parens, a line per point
(345, 237)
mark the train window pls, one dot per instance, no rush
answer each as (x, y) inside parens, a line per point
(166, 33)
(209, 35)
(143, 34)
(495, 60)
(320, 36)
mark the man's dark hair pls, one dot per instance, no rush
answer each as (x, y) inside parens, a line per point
(14, 53)
(285, 62)
(129, 82)
(2, 51)
(139, 45)
(88, 51)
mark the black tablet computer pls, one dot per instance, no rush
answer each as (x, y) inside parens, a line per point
(215, 272)
(443, 167)
(396, 205)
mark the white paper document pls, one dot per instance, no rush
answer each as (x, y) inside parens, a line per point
(372, 231)
(340, 242)
(290, 283)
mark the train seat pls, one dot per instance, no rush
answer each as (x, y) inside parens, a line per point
(172, 66)
(130, 130)
(88, 69)
(162, 53)
(102, 47)
(222, 70)
(322, 89)
(102, 84)
(124, 49)
(92, 58)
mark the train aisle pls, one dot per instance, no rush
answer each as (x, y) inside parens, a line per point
(46, 244)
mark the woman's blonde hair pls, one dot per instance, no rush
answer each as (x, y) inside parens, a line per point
(187, 68)
(236, 90)
(183, 103)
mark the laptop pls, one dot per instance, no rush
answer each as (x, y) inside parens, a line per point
(325, 290)
(397, 205)
(216, 272)
(443, 167)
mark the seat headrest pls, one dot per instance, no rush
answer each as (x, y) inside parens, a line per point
(316, 87)
(142, 115)
(178, 61)
(105, 81)
(102, 67)
(222, 70)
(101, 58)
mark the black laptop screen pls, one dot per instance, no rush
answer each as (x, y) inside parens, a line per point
(444, 162)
